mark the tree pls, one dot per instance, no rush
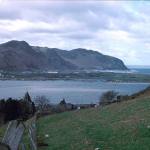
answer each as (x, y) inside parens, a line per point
(13, 109)
(41, 102)
(63, 102)
(108, 97)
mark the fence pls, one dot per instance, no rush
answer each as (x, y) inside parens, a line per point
(13, 138)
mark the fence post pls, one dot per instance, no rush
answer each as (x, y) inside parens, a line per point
(32, 134)
(13, 134)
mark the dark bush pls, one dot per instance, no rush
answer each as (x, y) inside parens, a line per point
(12, 109)
(42, 103)
(108, 97)
(63, 102)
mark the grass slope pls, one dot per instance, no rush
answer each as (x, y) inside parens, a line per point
(123, 126)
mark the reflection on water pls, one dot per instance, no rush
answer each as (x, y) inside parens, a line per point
(78, 91)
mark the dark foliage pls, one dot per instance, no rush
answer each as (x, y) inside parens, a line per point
(12, 109)
(63, 102)
(108, 97)
(42, 103)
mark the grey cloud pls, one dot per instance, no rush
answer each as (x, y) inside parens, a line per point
(8, 15)
(5, 35)
(43, 31)
(79, 11)
(81, 35)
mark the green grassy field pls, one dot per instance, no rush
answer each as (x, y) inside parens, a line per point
(2, 131)
(123, 126)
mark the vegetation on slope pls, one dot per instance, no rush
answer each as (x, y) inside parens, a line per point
(103, 76)
(122, 126)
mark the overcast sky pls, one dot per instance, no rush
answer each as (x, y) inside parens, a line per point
(120, 29)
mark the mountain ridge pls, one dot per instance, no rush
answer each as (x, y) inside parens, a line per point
(21, 56)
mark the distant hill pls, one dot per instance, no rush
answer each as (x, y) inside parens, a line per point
(20, 56)
(89, 59)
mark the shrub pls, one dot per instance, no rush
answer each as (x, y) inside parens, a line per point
(108, 97)
(63, 102)
(41, 102)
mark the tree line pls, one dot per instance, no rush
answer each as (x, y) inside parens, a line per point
(20, 109)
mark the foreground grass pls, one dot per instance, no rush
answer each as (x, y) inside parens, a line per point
(2, 131)
(124, 126)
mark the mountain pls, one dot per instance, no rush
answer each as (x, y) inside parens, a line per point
(20, 56)
(89, 59)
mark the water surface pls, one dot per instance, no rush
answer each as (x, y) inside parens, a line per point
(74, 91)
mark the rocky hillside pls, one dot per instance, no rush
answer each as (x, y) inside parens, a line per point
(20, 56)
(89, 59)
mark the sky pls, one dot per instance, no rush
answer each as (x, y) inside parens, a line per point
(116, 28)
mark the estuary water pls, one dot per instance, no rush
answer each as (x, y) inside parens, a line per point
(74, 91)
